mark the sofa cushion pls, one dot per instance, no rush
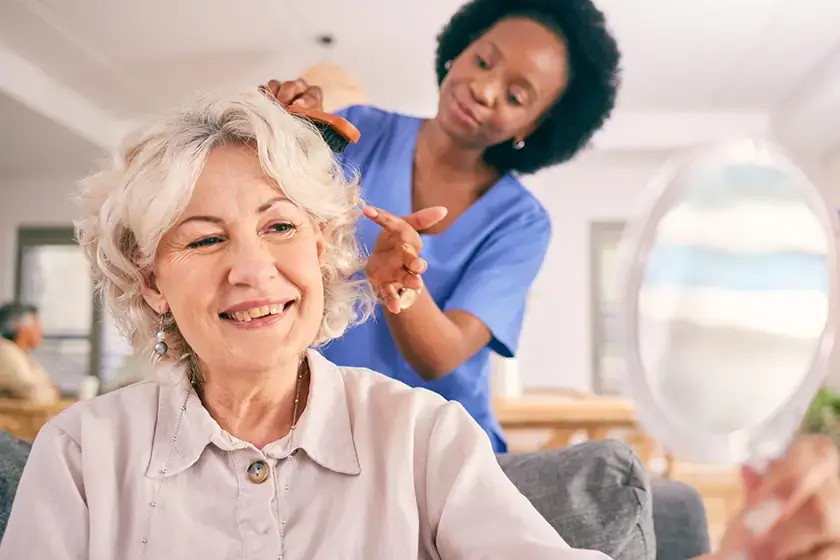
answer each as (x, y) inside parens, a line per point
(679, 519)
(13, 454)
(596, 495)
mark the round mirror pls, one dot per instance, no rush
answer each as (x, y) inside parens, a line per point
(730, 303)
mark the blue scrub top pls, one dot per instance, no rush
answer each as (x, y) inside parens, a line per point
(484, 263)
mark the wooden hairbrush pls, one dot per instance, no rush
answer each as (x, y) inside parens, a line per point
(337, 132)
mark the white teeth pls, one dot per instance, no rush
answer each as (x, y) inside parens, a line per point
(256, 312)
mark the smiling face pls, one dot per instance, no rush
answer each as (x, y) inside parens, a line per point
(241, 268)
(500, 86)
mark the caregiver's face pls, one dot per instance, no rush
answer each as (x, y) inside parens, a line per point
(502, 83)
(240, 270)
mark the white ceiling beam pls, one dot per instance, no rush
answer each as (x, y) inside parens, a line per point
(643, 131)
(809, 118)
(28, 84)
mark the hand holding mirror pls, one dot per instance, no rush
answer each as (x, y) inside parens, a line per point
(730, 316)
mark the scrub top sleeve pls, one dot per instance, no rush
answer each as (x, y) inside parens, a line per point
(495, 285)
(345, 112)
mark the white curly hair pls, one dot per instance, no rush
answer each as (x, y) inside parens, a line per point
(130, 203)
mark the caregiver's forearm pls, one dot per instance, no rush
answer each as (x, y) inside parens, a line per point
(435, 342)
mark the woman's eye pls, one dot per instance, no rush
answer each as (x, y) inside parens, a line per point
(481, 63)
(281, 227)
(514, 99)
(205, 242)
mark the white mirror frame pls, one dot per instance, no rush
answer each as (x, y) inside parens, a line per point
(764, 441)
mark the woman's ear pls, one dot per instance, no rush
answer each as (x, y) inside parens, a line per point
(152, 295)
(321, 242)
(522, 135)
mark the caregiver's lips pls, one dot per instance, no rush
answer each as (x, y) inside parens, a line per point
(464, 112)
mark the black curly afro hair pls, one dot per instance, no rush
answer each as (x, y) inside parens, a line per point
(590, 95)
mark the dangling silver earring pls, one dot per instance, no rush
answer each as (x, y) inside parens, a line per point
(193, 377)
(519, 144)
(447, 65)
(161, 348)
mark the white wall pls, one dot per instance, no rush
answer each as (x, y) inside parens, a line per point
(556, 342)
(29, 201)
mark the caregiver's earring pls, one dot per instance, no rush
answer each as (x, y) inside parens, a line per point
(447, 65)
(161, 348)
(519, 144)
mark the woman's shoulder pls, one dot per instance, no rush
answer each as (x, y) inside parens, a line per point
(395, 414)
(516, 199)
(12, 358)
(374, 397)
(375, 123)
(362, 115)
(115, 411)
(368, 385)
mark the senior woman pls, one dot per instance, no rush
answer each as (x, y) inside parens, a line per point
(222, 237)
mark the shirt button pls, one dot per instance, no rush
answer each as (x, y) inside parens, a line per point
(257, 471)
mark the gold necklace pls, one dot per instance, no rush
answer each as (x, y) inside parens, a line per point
(290, 453)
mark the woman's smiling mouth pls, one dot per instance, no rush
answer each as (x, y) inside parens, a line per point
(256, 313)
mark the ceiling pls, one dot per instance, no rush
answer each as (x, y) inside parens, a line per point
(692, 68)
(29, 140)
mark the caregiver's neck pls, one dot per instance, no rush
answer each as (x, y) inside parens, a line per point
(437, 155)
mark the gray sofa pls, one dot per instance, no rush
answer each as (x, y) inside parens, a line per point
(596, 495)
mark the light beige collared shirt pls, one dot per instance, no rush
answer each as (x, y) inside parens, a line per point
(379, 471)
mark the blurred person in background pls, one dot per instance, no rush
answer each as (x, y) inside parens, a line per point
(21, 377)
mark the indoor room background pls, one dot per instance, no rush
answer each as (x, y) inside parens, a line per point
(75, 76)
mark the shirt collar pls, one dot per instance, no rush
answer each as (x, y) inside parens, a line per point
(184, 428)
(324, 430)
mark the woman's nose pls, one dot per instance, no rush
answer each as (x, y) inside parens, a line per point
(252, 264)
(485, 90)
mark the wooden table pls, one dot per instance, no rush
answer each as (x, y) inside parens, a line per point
(24, 419)
(546, 410)
(565, 414)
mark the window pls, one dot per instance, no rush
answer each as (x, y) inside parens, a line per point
(53, 275)
(608, 363)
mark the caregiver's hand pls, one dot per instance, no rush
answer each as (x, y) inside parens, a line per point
(792, 511)
(394, 263)
(295, 92)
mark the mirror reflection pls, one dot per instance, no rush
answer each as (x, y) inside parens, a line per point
(734, 297)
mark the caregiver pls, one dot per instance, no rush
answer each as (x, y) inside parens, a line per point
(524, 84)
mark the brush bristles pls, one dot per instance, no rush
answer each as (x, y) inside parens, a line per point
(334, 140)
